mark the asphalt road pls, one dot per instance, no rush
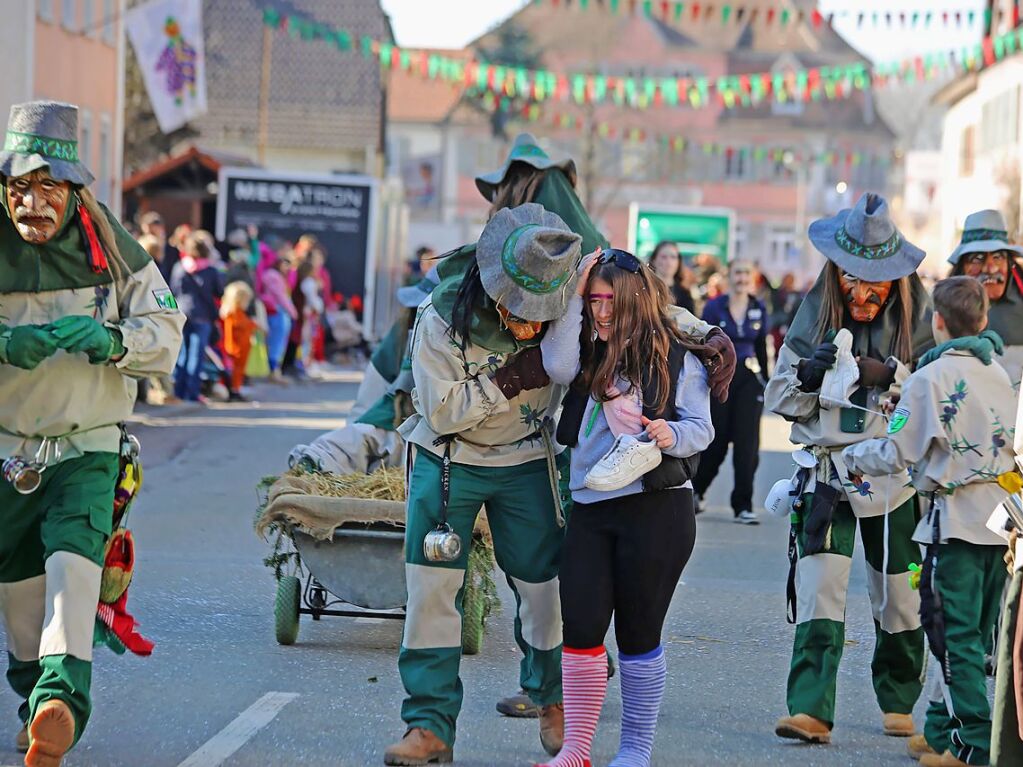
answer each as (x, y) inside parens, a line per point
(220, 691)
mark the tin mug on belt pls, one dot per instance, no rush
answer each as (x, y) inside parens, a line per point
(26, 476)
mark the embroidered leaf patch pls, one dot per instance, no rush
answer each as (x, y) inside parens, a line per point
(165, 299)
(899, 418)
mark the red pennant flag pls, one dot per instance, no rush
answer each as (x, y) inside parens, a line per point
(989, 51)
(665, 9)
(817, 18)
(744, 83)
(918, 63)
(770, 15)
(696, 11)
(766, 83)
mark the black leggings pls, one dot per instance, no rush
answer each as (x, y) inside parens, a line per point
(624, 557)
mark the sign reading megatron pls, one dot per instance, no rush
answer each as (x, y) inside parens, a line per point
(340, 211)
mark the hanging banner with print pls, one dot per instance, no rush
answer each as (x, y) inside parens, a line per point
(168, 42)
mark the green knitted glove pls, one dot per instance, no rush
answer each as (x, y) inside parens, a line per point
(28, 345)
(81, 334)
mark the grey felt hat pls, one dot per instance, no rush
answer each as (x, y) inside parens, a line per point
(984, 232)
(527, 258)
(524, 149)
(413, 295)
(44, 134)
(864, 242)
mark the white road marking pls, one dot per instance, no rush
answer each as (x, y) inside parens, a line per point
(250, 721)
(370, 620)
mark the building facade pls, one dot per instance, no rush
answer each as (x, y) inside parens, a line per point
(778, 166)
(72, 50)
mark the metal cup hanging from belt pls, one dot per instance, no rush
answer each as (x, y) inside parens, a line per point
(25, 476)
(442, 544)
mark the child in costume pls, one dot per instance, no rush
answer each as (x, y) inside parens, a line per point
(238, 330)
(627, 541)
(954, 426)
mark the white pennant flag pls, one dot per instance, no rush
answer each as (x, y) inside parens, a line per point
(167, 36)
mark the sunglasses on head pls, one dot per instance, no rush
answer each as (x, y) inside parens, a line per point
(620, 258)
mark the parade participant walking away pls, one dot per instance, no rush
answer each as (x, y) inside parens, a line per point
(984, 253)
(625, 548)
(530, 175)
(238, 330)
(197, 285)
(737, 420)
(370, 440)
(667, 264)
(85, 314)
(868, 288)
(952, 425)
(482, 434)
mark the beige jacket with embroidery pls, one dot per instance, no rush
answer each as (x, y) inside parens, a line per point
(954, 426)
(818, 427)
(66, 396)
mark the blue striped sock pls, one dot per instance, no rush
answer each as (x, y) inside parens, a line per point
(642, 689)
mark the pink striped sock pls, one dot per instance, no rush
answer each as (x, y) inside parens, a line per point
(584, 681)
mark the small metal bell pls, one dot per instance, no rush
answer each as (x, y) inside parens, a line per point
(442, 544)
(24, 476)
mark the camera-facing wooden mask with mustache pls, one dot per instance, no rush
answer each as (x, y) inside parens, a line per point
(864, 299)
(992, 269)
(37, 203)
(523, 330)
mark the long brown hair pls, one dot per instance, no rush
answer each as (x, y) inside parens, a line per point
(519, 187)
(833, 309)
(641, 336)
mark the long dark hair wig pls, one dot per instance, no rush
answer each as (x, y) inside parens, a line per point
(469, 297)
(642, 332)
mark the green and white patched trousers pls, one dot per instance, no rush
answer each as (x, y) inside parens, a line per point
(527, 546)
(822, 582)
(51, 556)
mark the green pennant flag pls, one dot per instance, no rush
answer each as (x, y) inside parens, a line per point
(579, 88)
(386, 49)
(679, 9)
(614, 6)
(999, 46)
(784, 16)
(726, 12)
(367, 45)
(271, 17)
(648, 8)
(405, 60)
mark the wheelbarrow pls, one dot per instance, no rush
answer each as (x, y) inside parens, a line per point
(353, 552)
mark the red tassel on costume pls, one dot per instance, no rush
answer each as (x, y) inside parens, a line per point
(97, 258)
(117, 618)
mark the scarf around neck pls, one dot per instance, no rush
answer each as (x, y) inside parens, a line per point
(983, 346)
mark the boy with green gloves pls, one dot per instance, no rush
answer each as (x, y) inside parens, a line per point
(954, 425)
(85, 313)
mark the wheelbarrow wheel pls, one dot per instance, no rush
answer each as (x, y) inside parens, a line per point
(473, 619)
(289, 594)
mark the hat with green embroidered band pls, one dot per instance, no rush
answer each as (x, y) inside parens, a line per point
(864, 242)
(44, 134)
(984, 232)
(527, 258)
(525, 149)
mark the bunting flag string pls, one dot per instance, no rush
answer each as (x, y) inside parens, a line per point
(691, 91)
(744, 151)
(776, 14)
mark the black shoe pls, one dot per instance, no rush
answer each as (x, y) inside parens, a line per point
(518, 706)
(698, 503)
(237, 397)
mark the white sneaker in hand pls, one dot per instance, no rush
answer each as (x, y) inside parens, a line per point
(628, 460)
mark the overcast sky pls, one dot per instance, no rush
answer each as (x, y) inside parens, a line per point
(454, 23)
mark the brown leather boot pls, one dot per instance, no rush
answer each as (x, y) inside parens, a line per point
(419, 746)
(21, 741)
(917, 747)
(552, 728)
(803, 727)
(51, 732)
(898, 725)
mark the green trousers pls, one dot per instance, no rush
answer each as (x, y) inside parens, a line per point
(51, 555)
(822, 582)
(1006, 744)
(527, 546)
(969, 579)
